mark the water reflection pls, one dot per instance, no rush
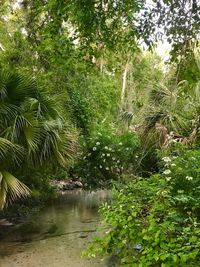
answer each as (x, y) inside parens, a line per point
(55, 236)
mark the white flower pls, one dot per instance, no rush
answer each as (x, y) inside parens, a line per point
(113, 158)
(84, 157)
(107, 168)
(108, 155)
(118, 161)
(106, 147)
(167, 172)
(166, 159)
(104, 160)
(189, 178)
(100, 166)
(127, 148)
(168, 179)
(89, 154)
(173, 164)
(97, 143)
(103, 155)
(94, 148)
(136, 156)
(120, 143)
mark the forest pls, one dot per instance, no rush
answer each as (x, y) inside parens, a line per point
(104, 95)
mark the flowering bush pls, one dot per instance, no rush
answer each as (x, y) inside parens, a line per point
(106, 156)
(156, 221)
(183, 176)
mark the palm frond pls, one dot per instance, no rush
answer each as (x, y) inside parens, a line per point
(19, 88)
(57, 140)
(32, 136)
(127, 116)
(11, 188)
(9, 151)
(8, 112)
(32, 130)
(4, 76)
(153, 117)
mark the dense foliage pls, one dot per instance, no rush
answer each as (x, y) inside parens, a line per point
(32, 132)
(100, 108)
(106, 156)
(155, 221)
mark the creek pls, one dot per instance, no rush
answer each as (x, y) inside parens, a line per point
(57, 234)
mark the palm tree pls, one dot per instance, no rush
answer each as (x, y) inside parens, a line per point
(32, 130)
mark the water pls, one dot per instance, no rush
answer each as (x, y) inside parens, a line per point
(57, 235)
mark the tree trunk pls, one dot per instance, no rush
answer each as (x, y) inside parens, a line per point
(124, 83)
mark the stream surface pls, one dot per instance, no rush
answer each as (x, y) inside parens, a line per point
(56, 235)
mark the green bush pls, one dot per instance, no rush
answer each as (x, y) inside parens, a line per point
(107, 155)
(38, 180)
(155, 221)
(183, 176)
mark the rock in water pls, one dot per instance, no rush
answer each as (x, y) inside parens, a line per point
(4, 222)
(78, 184)
(83, 235)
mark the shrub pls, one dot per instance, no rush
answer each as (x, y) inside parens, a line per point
(155, 221)
(106, 156)
(183, 176)
(38, 180)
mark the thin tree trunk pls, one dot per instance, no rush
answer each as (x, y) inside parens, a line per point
(101, 64)
(130, 89)
(124, 83)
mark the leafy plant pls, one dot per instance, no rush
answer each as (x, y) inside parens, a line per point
(32, 132)
(106, 156)
(155, 221)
